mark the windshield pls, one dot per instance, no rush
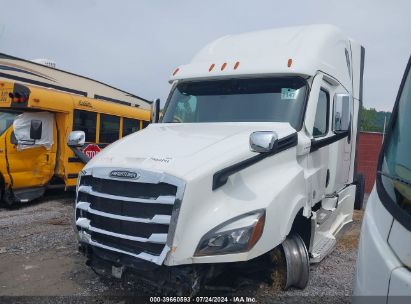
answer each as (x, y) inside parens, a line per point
(279, 99)
(395, 170)
(6, 119)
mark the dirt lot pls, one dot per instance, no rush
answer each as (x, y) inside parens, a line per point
(39, 257)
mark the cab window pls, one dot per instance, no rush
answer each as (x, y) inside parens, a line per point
(130, 126)
(186, 110)
(273, 99)
(109, 128)
(85, 121)
(321, 116)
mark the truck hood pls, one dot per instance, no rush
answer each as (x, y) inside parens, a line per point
(185, 149)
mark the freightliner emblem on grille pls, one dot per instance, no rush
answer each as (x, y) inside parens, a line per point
(124, 174)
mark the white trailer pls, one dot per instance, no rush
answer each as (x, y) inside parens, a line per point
(383, 272)
(254, 155)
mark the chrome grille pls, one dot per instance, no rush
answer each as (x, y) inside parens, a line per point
(134, 217)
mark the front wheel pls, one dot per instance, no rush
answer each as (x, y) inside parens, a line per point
(291, 263)
(8, 198)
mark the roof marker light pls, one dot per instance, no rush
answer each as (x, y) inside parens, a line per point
(223, 66)
(236, 65)
(290, 62)
(211, 67)
(176, 71)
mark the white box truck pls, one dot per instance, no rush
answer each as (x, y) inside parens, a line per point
(383, 272)
(254, 156)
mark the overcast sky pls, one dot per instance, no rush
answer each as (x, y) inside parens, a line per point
(134, 45)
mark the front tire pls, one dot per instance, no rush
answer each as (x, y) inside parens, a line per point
(292, 263)
(8, 199)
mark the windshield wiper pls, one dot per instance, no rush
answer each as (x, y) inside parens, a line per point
(395, 178)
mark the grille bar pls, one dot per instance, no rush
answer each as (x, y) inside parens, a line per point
(152, 188)
(157, 219)
(131, 209)
(157, 259)
(168, 200)
(158, 238)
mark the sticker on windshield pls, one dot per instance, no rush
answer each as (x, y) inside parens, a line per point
(287, 93)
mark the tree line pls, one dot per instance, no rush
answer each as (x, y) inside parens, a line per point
(373, 120)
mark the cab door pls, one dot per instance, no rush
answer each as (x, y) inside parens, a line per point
(6, 120)
(317, 124)
(29, 165)
(340, 151)
(318, 159)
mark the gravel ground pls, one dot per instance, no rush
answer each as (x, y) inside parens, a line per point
(39, 257)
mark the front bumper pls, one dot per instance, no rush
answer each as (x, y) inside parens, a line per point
(182, 279)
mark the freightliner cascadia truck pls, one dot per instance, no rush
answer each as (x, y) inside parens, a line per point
(253, 156)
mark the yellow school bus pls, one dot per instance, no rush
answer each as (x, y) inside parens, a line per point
(35, 123)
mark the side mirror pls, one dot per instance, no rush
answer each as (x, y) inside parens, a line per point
(155, 111)
(76, 139)
(263, 141)
(36, 127)
(342, 112)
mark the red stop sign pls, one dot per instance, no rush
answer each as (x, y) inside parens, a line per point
(91, 150)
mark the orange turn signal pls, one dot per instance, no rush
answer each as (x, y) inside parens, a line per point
(257, 232)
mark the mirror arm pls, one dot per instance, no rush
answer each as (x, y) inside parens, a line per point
(83, 157)
(155, 111)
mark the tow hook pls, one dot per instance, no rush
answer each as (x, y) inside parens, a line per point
(117, 272)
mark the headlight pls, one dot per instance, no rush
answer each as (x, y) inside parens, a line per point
(239, 234)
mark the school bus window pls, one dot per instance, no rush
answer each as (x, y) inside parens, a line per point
(6, 120)
(130, 126)
(145, 123)
(85, 121)
(109, 128)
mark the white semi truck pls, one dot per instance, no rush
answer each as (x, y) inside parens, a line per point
(384, 257)
(253, 157)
